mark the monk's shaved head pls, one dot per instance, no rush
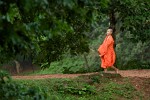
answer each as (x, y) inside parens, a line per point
(111, 28)
(109, 31)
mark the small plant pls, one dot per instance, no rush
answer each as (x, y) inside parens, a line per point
(4, 76)
(44, 65)
(86, 89)
(95, 79)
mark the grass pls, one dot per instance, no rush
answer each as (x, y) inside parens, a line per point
(94, 87)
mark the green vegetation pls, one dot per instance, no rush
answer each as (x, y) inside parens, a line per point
(11, 90)
(45, 30)
(95, 87)
(62, 36)
(131, 56)
(70, 64)
(101, 86)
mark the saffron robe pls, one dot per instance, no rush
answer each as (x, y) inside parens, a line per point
(106, 50)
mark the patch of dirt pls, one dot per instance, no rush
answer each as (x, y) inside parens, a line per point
(145, 73)
(142, 85)
(52, 76)
(124, 73)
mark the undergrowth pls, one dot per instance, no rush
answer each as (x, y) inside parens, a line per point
(94, 87)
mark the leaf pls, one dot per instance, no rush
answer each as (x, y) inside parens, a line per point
(69, 3)
(13, 13)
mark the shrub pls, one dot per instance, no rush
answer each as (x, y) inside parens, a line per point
(11, 90)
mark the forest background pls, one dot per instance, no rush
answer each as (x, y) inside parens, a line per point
(62, 36)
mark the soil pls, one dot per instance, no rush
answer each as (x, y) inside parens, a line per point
(145, 73)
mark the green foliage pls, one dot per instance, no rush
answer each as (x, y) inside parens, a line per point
(84, 88)
(136, 19)
(95, 79)
(124, 90)
(44, 30)
(132, 55)
(87, 89)
(129, 15)
(4, 76)
(11, 90)
(72, 64)
(13, 13)
(38, 30)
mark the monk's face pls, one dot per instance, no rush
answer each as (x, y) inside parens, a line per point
(109, 31)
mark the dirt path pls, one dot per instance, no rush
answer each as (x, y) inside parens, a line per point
(124, 73)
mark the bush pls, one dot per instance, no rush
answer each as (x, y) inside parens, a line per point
(11, 90)
(132, 55)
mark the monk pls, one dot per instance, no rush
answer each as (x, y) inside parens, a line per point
(107, 53)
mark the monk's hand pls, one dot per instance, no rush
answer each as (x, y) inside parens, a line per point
(100, 55)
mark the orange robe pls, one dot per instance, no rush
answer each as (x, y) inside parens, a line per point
(106, 50)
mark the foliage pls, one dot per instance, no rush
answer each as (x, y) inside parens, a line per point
(72, 64)
(67, 65)
(136, 19)
(129, 56)
(41, 31)
(44, 30)
(132, 55)
(87, 89)
(84, 88)
(129, 15)
(4, 76)
(11, 90)
(112, 88)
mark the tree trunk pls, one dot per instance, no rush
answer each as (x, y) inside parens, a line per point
(86, 62)
(17, 66)
(113, 21)
(32, 68)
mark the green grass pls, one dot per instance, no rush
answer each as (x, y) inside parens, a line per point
(94, 87)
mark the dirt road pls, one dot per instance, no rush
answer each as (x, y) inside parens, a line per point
(124, 73)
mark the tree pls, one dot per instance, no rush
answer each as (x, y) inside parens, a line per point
(131, 18)
(46, 27)
(130, 15)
